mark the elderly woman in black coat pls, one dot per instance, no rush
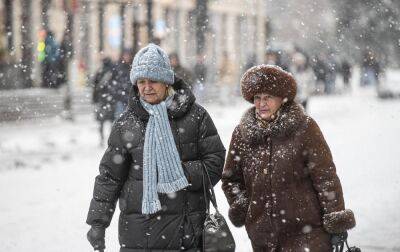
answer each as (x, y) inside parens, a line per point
(154, 164)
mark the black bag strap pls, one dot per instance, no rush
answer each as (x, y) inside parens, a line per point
(209, 190)
(340, 248)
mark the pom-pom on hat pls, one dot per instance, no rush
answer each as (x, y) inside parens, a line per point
(268, 79)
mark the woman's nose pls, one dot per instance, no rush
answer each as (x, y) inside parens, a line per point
(147, 85)
(263, 103)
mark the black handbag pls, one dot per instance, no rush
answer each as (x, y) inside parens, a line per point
(216, 234)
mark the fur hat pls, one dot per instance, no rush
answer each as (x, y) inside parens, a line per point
(268, 79)
(151, 62)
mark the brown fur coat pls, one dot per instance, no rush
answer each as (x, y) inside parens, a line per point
(281, 182)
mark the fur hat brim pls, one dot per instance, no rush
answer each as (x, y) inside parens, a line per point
(268, 79)
(339, 222)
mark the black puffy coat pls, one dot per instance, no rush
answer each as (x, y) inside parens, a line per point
(178, 226)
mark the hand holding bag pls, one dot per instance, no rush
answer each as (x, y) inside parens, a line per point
(216, 234)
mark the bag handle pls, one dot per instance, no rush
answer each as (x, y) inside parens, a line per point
(208, 189)
(341, 247)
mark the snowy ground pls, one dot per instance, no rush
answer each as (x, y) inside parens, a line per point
(47, 171)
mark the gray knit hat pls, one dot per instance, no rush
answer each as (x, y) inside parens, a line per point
(151, 62)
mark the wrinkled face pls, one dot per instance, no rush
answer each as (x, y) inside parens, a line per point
(151, 91)
(267, 105)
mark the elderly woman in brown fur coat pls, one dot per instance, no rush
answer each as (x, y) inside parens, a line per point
(279, 177)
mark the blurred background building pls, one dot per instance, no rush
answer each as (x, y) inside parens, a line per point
(98, 28)
(60, 45)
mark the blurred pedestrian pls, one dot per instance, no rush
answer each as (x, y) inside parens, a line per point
(64, 57)
(346, 73)
(370, 69)
(4, 65)
(279, 176)
(304, 77)
(250, 62)
(103, 95)
(200, 74)
(332, 69)
(122, 82)
(320, 69)
(50, 62)
(66, 53)
(180, 71)
(200, 69)
(154, 164)
(275, 57)
(272, 58)
(226, 79)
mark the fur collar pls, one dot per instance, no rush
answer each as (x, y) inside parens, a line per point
(289, 119)
(182, 101)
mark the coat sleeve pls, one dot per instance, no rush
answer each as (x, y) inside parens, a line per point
(113, 169)
(233, 183)
(211, 155)
(336, 219)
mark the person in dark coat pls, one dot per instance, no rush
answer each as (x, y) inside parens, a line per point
(200, 69)
(66, 54)
(279, 178)
(4, 66)
(332, 69)
(251, 61)
(371, 69)
(320, 69)
(276, 57)
(200, 75)
(49, 64)
(181, 72)
(122, 82)
(346, 73)
(104, 94)
(154, 164)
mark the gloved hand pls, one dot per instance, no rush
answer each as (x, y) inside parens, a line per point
(238, 210)
(338, 241)
(96, 238)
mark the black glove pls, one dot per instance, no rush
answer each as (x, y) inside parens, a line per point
(238, 210)
(338, 241)
(96, 238)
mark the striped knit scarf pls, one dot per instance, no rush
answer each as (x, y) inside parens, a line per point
(162, 168)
